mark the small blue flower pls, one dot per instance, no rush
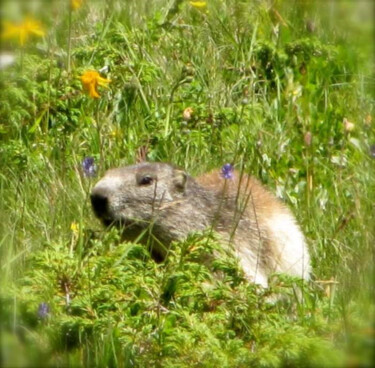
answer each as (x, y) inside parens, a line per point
(227, 171)
(89, 167)
(43, 310)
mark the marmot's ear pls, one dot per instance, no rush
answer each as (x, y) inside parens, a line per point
(179, 180)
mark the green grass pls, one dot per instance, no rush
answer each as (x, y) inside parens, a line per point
(271, 86)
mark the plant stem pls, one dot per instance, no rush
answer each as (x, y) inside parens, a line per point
(69, 39)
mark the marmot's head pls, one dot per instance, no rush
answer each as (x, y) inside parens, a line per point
(134, 195)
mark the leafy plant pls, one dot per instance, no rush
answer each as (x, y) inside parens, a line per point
(283, 91)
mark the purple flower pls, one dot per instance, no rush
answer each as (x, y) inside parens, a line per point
(43, 310)
(227, 171)
(89, 167)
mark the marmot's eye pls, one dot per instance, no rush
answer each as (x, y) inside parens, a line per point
(146, 180)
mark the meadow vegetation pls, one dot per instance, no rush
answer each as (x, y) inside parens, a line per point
(283, 90)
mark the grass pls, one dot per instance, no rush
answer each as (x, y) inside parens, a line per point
(283, 90)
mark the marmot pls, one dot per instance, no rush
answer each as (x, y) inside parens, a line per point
(172, 204)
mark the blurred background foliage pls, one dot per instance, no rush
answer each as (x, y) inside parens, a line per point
(284, 90)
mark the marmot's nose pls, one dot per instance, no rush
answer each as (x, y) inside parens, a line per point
(99, 202)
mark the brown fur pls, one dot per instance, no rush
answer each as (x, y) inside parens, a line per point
(260, 227)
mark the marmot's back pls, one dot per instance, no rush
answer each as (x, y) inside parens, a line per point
(263, 224)
(157, 196)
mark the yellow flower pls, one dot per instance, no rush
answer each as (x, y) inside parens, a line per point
(76, 4)
(115, 133)
(75, 228)
(22, 31)
(187, 114)
(91, 79)
(198, 4)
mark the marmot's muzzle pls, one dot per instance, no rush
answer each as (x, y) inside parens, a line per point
(99, 204)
